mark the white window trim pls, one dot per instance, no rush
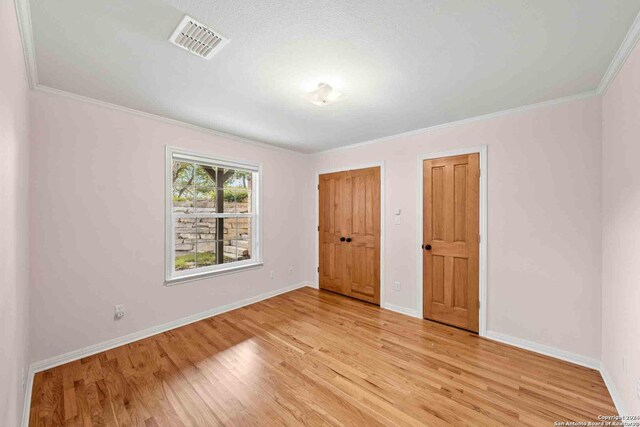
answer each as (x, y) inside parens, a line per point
(171, 277)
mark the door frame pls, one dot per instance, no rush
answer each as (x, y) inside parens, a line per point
(482, 260)
(382, 227)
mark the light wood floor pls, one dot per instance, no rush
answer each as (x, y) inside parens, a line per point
(312, 357)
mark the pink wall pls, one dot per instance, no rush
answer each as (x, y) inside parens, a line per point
(14, 236)
(544, 219)
(621, 232)
(97, 229)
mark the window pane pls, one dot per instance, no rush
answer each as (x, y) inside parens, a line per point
(229, 200)
(244, 228)
(230, 228)
(183, 187)
(185, 228)
(240, 180)
(244, 249)
(206, 200)
(207, 228)
(205, 189)
(206, 252)
(185, 244)
(183, 200)
(230, 254)
(230, 235)
(205, 176)
(243, 201)
(226, 180)
(206, 244)
(237, 239)
(243, 243)
(182, 173)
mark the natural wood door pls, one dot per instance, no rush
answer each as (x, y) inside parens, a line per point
(350, 233)
(333, 227)
(451, 240)
(363, 225)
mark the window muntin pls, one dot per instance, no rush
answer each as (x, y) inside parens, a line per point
(212, 215)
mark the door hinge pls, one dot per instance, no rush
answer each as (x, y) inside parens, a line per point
(318, 186)
(478, 303)
(479, 238)
(318, 269)
(479, 172)
(318, 228)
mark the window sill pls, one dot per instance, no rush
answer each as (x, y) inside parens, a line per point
(207, 274)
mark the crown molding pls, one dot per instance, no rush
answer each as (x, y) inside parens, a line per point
(625, 49)
(416, 132)
(23, 14)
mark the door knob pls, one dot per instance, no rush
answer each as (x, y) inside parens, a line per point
(348, 239)
(342, 239)
(427, 247)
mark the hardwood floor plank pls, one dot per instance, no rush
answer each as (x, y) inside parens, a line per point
(311, 357)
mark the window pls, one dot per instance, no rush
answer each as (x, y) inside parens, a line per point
(212, 216)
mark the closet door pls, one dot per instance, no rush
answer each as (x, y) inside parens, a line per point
(350, 233)
(332, 231)
(363, 234)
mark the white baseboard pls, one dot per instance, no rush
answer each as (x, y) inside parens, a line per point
(26, 408)
(613, 391)
(117, 342)
(567, 356)
(400, 309)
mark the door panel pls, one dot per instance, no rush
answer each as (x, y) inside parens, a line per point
(332, 267)
(363, 223)
(451, 221)
(350, 208)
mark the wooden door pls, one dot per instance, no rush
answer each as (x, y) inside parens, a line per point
(363, 226)
(333, 228)
(350, 233)
(451, 240)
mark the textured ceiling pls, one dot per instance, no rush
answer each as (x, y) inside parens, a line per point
(402, 65)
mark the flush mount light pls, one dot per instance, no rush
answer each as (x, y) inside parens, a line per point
(323, 95)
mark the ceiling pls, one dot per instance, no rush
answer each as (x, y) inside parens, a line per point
(401, 65)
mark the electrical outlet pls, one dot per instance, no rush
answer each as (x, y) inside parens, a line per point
(119, 311)
(23, 378)
(397, 286)
(290, 270)
(272, 275)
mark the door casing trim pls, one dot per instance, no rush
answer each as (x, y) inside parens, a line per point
(382, 228)
(482, 260)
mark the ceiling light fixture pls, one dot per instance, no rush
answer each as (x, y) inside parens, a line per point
(323, 95)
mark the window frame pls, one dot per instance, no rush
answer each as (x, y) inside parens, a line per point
(173, 277)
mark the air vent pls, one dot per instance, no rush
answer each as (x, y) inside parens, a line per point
(193, 36)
